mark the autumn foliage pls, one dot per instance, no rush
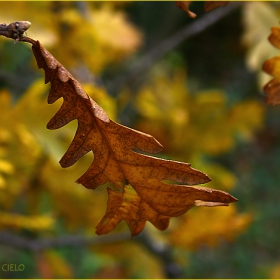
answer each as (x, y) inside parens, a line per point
(194, 102)
(272, 66)
(138, 194)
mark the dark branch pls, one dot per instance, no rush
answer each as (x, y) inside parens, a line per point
(162, 251)
(138, 69)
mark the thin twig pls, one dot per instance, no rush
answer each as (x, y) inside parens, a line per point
(136, 70)
(34, 245)
(161, 250)
(14, 30)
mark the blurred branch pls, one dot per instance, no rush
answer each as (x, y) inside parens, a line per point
(20, 242)
(161, 250)
(142, 65)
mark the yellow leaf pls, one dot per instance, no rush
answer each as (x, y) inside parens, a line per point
(133, 258)
(6, 167)
(225, 223)
(198, 122)
(3, 184)
(125, 38)
(247, 118)
(275, 271)
(17, 221)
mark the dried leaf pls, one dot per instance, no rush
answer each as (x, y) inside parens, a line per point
(129, 206)
(133, 206)
(274, 37)
(211, 5)
(138, 192)
(184, 5)
(255, 34)
(272, 89)
(272, 67)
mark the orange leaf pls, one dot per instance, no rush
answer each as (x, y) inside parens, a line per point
(272, 89)
(167, 201)
(139, 193)
(274, 37)
(272, 67)
(184, 5)
(129, 206)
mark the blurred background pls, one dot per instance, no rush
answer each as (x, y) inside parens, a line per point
(195, 85)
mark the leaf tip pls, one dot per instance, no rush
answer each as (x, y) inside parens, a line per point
(184, 5)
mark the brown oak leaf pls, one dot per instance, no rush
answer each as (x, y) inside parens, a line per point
(139, 194)
(272, 67)
(157, 205)
(138, 191)
(274, 37)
